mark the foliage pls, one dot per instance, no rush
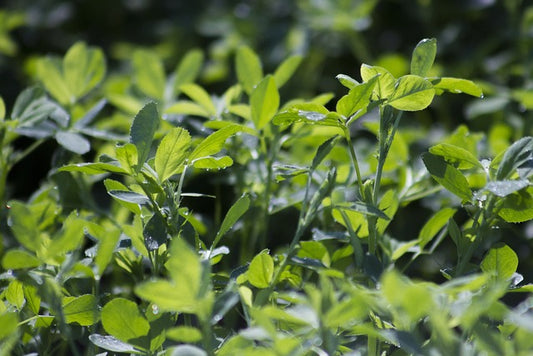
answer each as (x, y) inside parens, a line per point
(176, 220)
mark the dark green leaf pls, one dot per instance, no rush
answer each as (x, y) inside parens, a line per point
(142, 131)
(24, 226)
(234, 214)
(447, 176)
(324, 149)
(155, 232)
(32, 107)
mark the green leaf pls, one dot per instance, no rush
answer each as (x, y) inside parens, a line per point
(73, 142)
(357, 99)
(500, 260)
(188, 69)
(129, 196)
(264, 102)
(168, 296)
(24, 226)
(517, 207)
(516, 155)
(200, 96)
(436, 223)
(82, 310)
(107, 241)
(324, 149)
(213, 162)
(365, 209)
(33, 300)
(113, 185)
(309, 113)
(455, 154)
(69, 238)
(213, 143)
(524, 97)
(32, 107)
(286, 69)
(447, 176)
(423, 56)
(171, 153)
(234, 214)
(184, 266)
(456, 86)
(506, 187)
(186, 334)
(49, 72)
(93, 168)
(142, 131)
(2, 109)
(128, 157)
(347, 81)
(122, 319)
(186, 350)
(249, 70)
(155, 232)
(149, 73)
(9, 322)
(411, 93)
(112, 344)
(386, 83)
(261, 270)
(83, 68)
(14, 294)
(19, 259)
(187, 108)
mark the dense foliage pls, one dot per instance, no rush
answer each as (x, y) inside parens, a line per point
(246, 198)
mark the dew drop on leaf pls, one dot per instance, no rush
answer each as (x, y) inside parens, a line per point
(155, 309)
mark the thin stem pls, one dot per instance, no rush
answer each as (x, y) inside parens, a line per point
(354, 161)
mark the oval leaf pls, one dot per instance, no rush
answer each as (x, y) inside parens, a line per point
(412, 93)
(122, 319)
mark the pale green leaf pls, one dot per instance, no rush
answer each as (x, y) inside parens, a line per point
(411, 93)
(213, 162)
(49, 72)
(18, 259)
(188, 69)
(82, 310)
(186, 107)
(264, 102)
(423, 56)
(286, 69)
(261, 270)
(456, 86)
(500, 260)
(149, 73)
(517, 207)
(213, 143)
(436, 223)
(24, 226)
(171, 153)
(111, 343)
(122, 319)
(357, 99)
(73, 142)
(14, 294)
(248, 67)
(84, 68)
(186, 334)
(200, 96)
(455, 154)
(386, 82)
(128, 157)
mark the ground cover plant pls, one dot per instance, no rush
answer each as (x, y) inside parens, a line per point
(184, 220)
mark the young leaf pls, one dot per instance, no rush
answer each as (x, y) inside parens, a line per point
(500, 260)
(122, 319)
(411, 93)
(171, 153)
(505, 187)
(434, 225)
(14, 294)
(200, 96)
(93, 168)
(184, 334)
(142, 131)
(188, 69)
(517, 207)
(423, 56)
(32, 107)
(447, 176)
(248, 66)
(456, 86)
(347, 81)
(286, 69)
(357, 99)
(186, 107)
(213, 162)
(453, 154)
(49, 72)
(234, 213)
(213, 143)
(385, 84)
(261, 270)
(112, 344)
(82, 310)
(264, 102)
(24, 226)
(18, 259)
(149, 73)
(514, 157)
(73, 142)
(128, 157)
(84, 68)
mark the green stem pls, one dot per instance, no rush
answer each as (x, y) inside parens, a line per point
(354, 161)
